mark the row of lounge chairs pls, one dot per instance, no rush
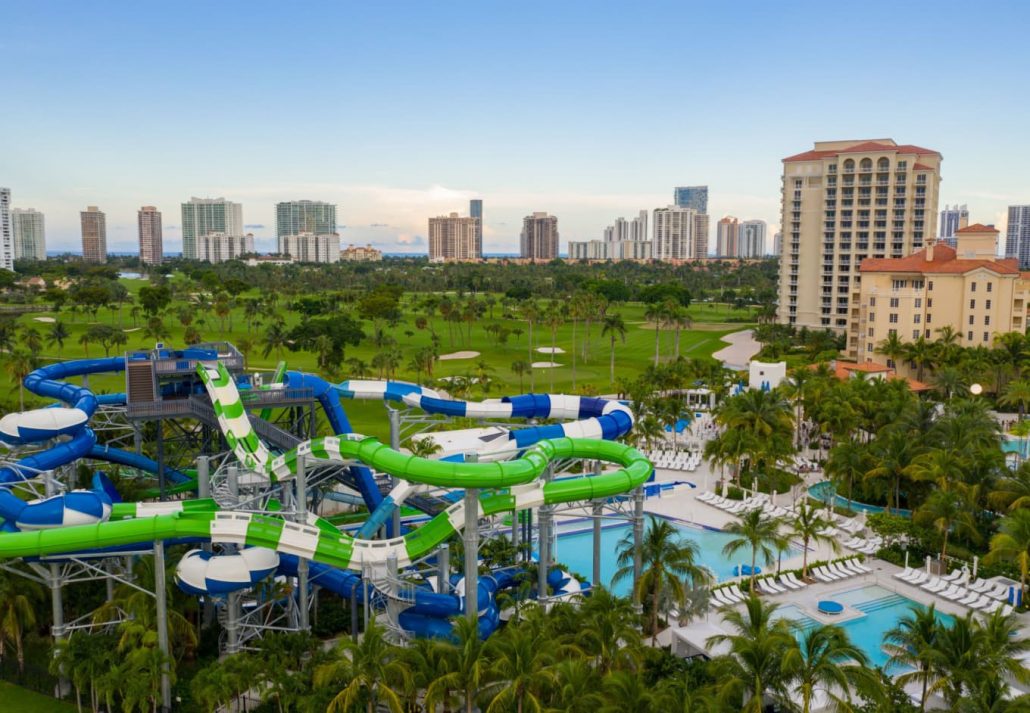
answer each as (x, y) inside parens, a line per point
(981, 595)
(739, 507)
(674, 460)
(728, 596)
(866, 547)
(778, 585)
(842, 569)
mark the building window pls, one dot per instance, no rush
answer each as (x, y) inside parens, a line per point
(917, 318)
(988, 305)
(972, 304)
(918, 284)
(929, 285)
(915, 334)
(929, 302)
(918, 303)
(870, 333)
(987, 321)
(894, 303)
(929, 318)
(971, 319)
(894, 318)
(990, 286)
(987, 336)
(972, 287)
(900, 284)
(872, 301)
(969, 336)
(869, 346)
(928, 334)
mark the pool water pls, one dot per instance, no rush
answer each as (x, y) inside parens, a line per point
(575, 551)
(825, 490)
(882, 610)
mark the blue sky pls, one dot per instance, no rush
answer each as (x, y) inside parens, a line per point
(398, 111)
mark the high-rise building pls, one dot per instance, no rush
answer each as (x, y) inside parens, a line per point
(202, 216)
(751, 239)
(29, 230)
(539, 238)
(452, 237)
(1017, 236)
(727, 235)
(297, 217)
(94, 234)
(701, 229)
(843, 202)
(476, 211)
(308, 247)
(967, 288)
(674, 233)
(777, 244)
(151, 245)
(693, 197)
(953, 219)
(588, 250)
(219, 247)
(6, 233)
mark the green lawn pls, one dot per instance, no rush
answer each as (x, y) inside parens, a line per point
(22, 700)
(711, 322)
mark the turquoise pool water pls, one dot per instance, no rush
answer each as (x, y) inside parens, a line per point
(575, 550)
(882, 609)
(825, 490)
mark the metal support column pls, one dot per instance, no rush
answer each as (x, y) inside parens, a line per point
(160, 595)
(544, 524)
(515, 533)
(232, 623)
(57, 609)
(203, 477)
(638, 539)
(160, 459)
(471, 541)
(598, 510)
(301, 485)
(395, 444)
(354, 614)
(443, 568)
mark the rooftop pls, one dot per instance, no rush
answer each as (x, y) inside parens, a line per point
(977, 228)
(866, 147)
(943, 262)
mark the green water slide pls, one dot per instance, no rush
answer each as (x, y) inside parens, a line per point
(510, 485)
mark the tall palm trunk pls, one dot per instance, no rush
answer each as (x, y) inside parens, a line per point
(657, 340)
(611, 377)
(573, 355)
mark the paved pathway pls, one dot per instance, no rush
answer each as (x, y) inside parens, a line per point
(742, 346)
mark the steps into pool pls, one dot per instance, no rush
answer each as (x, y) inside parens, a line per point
(884, 602)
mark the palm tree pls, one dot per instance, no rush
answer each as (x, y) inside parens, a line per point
(577, 688)
(20, 364)
(615, 328)
(555, 319)
(274, 340)
(656, 312)
(32, 340)
(522, 668)
(666, 559)
(423, 447)
(1017, 393)
(892, 347)
(848, 460)
(921, 353)
(950, 511)
(520, 368)
(17, 613)
(824, 659)
(754, 665)
(894, 453)
(369, 667)
(911, 645)
(531, 313)
(808, 526)
(626, 692)
(467, 663)
(609, 630)
(757, 532)
(1012, 544)
(58, 333)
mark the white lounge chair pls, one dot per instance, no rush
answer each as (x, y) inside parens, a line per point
(793, 578)
(936, 584)
(845, 566)
(718, 597)
(734, 589)
(1007, 609)
(784, 581)
(905, 573)
(954, 576)
(856, 563)
(994, 606)
(953, 592)
(980, 585)
(982, 603)
(821, 574)
(919, 578)
(835, 568)
(766, 588)
(969, 598)
(1000, 591)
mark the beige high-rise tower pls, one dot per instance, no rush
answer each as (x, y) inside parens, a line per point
(452, 237)
(843, 202)
(94, 234)
(150, 235)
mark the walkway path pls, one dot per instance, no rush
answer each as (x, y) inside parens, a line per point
(742, 346)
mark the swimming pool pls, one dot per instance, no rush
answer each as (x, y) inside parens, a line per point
(575, 550)
(825, 490)
(881, 607)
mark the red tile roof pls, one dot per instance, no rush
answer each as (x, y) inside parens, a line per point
(922, 167)
(944, 262)
(867, 147)
(977, 228)
(843, 370)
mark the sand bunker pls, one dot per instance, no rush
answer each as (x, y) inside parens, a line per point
(47, 320)
(458, 355)
(545, 364)
(550, 350)
(132, 329)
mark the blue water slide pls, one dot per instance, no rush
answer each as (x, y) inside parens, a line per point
(329, 400)
(135, 460)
